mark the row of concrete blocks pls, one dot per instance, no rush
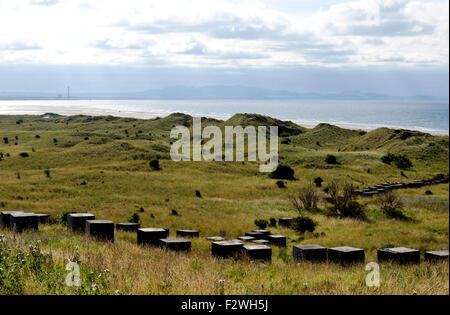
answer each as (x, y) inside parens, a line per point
(19, 220)
(314, 253)
(382, 188)
(263, 237)
(104, 230)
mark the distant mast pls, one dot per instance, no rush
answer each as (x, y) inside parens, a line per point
(68, 92)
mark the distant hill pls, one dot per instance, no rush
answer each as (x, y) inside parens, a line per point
(213, 92)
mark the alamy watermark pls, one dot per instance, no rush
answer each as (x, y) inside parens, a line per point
(212, 150)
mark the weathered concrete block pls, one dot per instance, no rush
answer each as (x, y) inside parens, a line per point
(77, 221)
(43, 218)
(285, 222)
(346, 255)
(256, 235)
(226, 249)
(258, 252)
(127, 227)
(246, 238)
(188, 233)
(315, 253)
(151, 236)
(100, 229)
(5, 218)
(175, 244)
(435, 256)
(24, 221)
(277, 240)
(215, 238)
(400, 255)
(263, 232)
(261, 242)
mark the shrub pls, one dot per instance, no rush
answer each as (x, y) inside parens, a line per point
(1, 156)
(154, 165)
(388, 158)
(272, 222)
(24, 154)
(428, 192)
(331, 159)
(261, 223)
(198, 194)
(306, 199)
(318, 181)
(134, 218)
(64, 214)
(47, 173)
(343, 201)
(6, 140)
(400, 160)
(279, 183)
(403, 162)
(392, 205)
(283, 172)
(303, 224)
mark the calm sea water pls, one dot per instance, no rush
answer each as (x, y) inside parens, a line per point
(428, 116)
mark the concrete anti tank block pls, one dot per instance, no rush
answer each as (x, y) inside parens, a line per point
(215, 238)
(277, 240)
(246, 238)
(226, 249)
(127, 227)
(77, 221)
(258, 252)
(346, 255)
(401, 255)
(256, 235)
(5, 218)
(24, 221)
(261, 242)
(436, 256)
(314, 253)
(43, 218)
(100, 229)
(151, 236)
(188, 233)
(175, 244)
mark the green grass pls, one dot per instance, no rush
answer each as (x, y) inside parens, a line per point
(114, 165)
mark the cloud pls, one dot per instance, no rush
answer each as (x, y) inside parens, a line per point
(19, 46)
(226, 34)
(44, 2)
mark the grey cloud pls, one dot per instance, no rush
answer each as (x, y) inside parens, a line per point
(44, 2)
(108, 45)
(390, 29)
(20, 46)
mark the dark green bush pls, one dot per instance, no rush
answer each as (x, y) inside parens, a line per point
(261, 223)
(272, 222)
(64, 214)
(400, 160)
(331, 159)
(283, 172)
(154, 165)
(24, 154)
(318, 181)
(134, 218)
(279, 183)
(303, 224)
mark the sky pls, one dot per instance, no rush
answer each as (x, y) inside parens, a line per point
(396, 47)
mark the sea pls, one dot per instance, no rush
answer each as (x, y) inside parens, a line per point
(427, 116)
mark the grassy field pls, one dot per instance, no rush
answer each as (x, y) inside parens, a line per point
(101, 165)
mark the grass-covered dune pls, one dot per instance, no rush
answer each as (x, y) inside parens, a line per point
(51, 164)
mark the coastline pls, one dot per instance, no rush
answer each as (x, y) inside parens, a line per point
(70, 110)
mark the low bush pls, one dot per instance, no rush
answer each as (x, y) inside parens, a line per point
(306, 199)
(261, 223)
(154, 165)
(400, 160)
(303, 224)
(134, 218)
(331, 159)
(283, 172)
